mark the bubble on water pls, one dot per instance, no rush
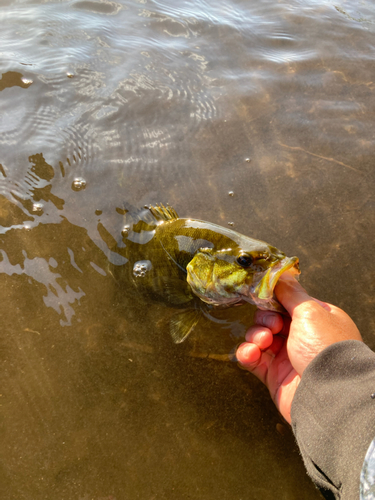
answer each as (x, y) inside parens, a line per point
(373, 395)
(141, 268)
(27, 81)
(231, 193)
(248, 160)
(70, 75)
(37, 208)
(125, 231)
(78, 184)
(230, 223)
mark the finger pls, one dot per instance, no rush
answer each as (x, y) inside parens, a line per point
(248, 355)
(284, 332)
(276, 346)
(290, 293)
(252, 359)
(270, 319)
(260, 336)
(258, 362)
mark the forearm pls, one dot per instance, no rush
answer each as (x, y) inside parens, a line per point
(333, 416)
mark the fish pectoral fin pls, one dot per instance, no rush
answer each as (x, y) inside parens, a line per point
(183, 323)
(174, 291)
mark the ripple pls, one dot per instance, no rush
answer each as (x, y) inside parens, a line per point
(103, 7)
(26, 195)
(124, 121)
(283, 55)
(78, 150)
(165, 24)
(23, 118)
(156, 100)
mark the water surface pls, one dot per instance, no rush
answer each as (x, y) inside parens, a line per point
(106, 105)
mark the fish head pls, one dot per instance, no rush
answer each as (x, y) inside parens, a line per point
(245, 271)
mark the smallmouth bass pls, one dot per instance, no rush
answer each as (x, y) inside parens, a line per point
(194, 266)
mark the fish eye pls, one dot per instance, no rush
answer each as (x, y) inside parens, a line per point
(244, 260)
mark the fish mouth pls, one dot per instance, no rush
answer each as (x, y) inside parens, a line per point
(262, 290)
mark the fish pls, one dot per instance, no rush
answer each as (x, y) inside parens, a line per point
(196, 266)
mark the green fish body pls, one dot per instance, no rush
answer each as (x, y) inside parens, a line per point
(189, 263)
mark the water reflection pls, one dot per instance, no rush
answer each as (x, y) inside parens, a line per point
(106, 105)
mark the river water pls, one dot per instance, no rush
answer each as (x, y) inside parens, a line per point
(106, 105)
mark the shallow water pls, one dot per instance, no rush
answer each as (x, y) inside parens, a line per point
(110, 104)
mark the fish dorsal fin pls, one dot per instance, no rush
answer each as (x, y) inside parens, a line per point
(183, 323)
(160, 212)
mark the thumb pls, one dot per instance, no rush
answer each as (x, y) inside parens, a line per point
(290, 293)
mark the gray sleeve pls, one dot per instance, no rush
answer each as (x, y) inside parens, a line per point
(333, 417)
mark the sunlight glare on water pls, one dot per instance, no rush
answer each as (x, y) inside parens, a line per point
(255, 114)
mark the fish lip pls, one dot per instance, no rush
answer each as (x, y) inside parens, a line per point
(286, 264)
(262, 289)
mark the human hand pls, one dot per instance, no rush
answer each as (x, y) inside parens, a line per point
(278, 348)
